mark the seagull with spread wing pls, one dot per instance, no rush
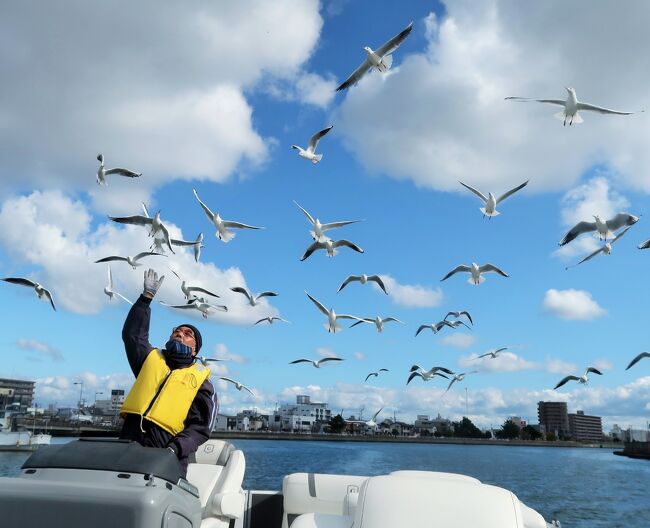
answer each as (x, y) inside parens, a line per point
(459, 377)
(476, 272)
(458, 314)
(637, 359)
(604, 228)
(199, 304)
(133, 261)
(363, 279)
(580, 379)
(108, 289)
(490, 200)
(270, 320)
(436, 327)
(310, 152)
(380, 59)
(156, 225)
(40, 290)
(426, 375)
(102, 171)
(238, 386)
(190, 291)
(493, 354)
(195, 244)
(224, 227)
(571, 107)
(316, 364)
(253, 300)
(377, 321)
(330, 247)
(332, 317)
(605, 250)
(318, 229)
(375, 374)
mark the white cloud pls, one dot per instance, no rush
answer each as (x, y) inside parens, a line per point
(326, 352)
(411, 295)
(221, 351)
(62, 391)
(307, 88)
(53, 232)
(558, 366)
(573, 305)
(504, 362)
(448, 119)
(458, 340)
(359, 355)
(43, 349)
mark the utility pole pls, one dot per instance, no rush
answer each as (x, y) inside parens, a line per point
(81, 391)
(466, 405)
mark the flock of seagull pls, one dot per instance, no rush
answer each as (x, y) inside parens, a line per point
(608, 230)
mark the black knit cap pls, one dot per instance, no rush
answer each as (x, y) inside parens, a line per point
(197, 335)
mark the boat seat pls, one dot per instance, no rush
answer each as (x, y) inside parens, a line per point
(218, 473)
(322, 520)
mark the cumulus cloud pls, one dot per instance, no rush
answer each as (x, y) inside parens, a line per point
(558, 366)
(326, 352)
(571, 304)
(445, 105)
(458, 340)
(307, 88)
(62, 391)
(410, 295)
(221, 351)
(40, 349)
(504, 362)
(54, 233)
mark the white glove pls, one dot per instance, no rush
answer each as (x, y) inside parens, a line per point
(151, 283)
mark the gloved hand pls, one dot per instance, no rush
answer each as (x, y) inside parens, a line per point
(151, 283)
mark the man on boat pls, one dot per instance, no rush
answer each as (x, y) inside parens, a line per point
(172, 403)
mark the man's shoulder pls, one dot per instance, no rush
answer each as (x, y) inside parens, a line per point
(207, 386)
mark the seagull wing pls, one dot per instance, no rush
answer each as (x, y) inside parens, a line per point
(620, 220)
(354, 317)
(374, 416)
(347, 243)
(313, 141)
(469, 317)
(414, 374)
(133, 220)
(146, 211)
(644, 245)
(457, 269)
(356, 75)
(389, 319)
(348, 281)
(475, 191)
(324, 360)
(451, 383)
(176, 242)
(110, 278)
(383, 370)
(388, 47)
(266, 294)
(443, 369)
(359, 322)
(588, 257)
(377, 279)
(578, 229)
(309, 217)
(201, 290)
(267, 319)
(229, 380)
(566, 380)
(49, 296)
(371, 374)
(512, 191)
(108, 259)
(416, 367)
(637, 359)
(188, 306)
(316, 245)
(246, 388)
(122, 297)
(239, 225)
(205, 208)
(600, 109)
(334, 225)
(123, 172)
(422, 327)
(21, 281)
(594, 370)
(487, 268)
(243, 291)
(558, 102)
(319, 305)
(620, 234)
(303, 360)
(147, 254)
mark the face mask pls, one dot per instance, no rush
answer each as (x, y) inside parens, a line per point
(178, 352)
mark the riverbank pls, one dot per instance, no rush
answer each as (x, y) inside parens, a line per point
(239, 435)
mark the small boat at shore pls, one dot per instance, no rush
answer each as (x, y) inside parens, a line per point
(14, 440)
(110, 483)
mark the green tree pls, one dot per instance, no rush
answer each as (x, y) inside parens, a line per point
(550, 437)
(530, 433)
(509, 430)
(466, 429)
(337, 424)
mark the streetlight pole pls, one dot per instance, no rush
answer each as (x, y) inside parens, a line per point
(81, 391)
(466, 405)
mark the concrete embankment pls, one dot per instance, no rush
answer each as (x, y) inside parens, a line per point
(635, 450)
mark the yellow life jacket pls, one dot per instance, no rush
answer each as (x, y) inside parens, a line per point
(164, 396)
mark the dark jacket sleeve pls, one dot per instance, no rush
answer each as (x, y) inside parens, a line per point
(199, 421)
(135, 334)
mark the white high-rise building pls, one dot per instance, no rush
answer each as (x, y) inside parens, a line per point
(301, 416)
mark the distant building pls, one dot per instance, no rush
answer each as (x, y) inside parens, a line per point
(251, 420)
(630, 435)
(442, 425)
(553, 418)
(117, 399)
(16, 392)
(225, 423)
(423, 425)
(304, 415)
(518, 421)
(585, 428)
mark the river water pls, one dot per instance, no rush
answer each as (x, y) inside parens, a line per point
(582, 487)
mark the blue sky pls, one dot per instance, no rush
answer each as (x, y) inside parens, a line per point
(212, 98)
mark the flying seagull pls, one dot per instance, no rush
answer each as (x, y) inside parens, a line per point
(133, 261)
(459, 377)
(316, 364)
(270, 320)
(644, 245)
(199, 304)
(458, 314)
(108, 289)
(38, 288)
(330, 246)
(238, 386)
(102, 172)
(380, 59)
(436, 327)
(476, 272)
(363, 279)
(253, 300)
(318, 231)
(604, 228)
(637, 359)
(581, 379)
(156, 225)
(571, 107)
(372, 422)
(376, 374)
(332, 317)
(195, 244)
(494, 354)
(223, 226)
(377, 321)
(310, 152)
(426, 375)
(189, 291)
(490, 200)
(606, 249)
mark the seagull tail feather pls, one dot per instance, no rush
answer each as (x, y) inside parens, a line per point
(493, 213)
(317, 158)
